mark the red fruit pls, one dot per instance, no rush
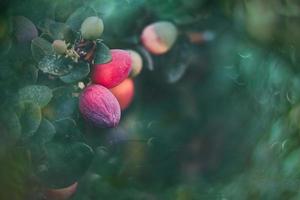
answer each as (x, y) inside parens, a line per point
(113, 73)
(124, 93)
(159, 37)
(61, 194)
(99, 106)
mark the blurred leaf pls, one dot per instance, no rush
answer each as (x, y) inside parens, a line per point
(10, 128)
(24, 29)
(148, 58)
(290, 8)
(66, 163)
(29, 74)
(75, 20)
(40, 48)
(66, 129)
(30, 119)
(53, 65)
(79, 71)
(7, 72)
(58, 30)
(63, 104)
(5, 46)
(291, 164)
(176, 72)
(102, 54)
(14, 171)
(110, 12)
(178, 61)
(45, 132)
(63, 9)
(38, 94)
(43, 135)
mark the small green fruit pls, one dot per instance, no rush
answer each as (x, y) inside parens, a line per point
(59, 46)
(92, 28)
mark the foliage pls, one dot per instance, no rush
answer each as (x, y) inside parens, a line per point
(214, 118)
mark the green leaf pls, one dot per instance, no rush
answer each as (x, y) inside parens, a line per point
(66, 129)
(5, 47)
(80, 71)
(38, 94)
(54, 65)
(58, 30)
(45, 132)
(40, 48)
(65, 163)
(63, 104)
(10, 128)
(30, 119)
(7, 72)
(290, 165)
(102, 54)
(29, 74)
(76, 19)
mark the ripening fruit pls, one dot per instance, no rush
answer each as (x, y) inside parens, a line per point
(24, 29)
(137, 63)
(99, 106)
(61, 194)
(159, 37)
(124, 93)
(114, 72)
(59, 46)
(92, 28)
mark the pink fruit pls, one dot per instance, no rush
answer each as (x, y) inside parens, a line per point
(159, 37)
(113, 73)
(99, 106)
(61, 194)
(124, 93)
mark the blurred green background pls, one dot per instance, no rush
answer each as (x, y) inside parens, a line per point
(214, 118)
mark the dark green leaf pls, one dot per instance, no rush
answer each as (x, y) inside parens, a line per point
(24, 29)
(53, 65)
(5, 47)
(40, 48)
(10, 128)
(65, 164)
(175, 73)
(102, 54)
(67, 129)
(7, 72)
(75, 20)
(79, 71)
(45, 132)
(29, 74)
(38, 94)
(58, 30)
(63, 105)
(30, 119)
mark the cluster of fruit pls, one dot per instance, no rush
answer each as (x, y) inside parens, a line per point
(112, 88)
